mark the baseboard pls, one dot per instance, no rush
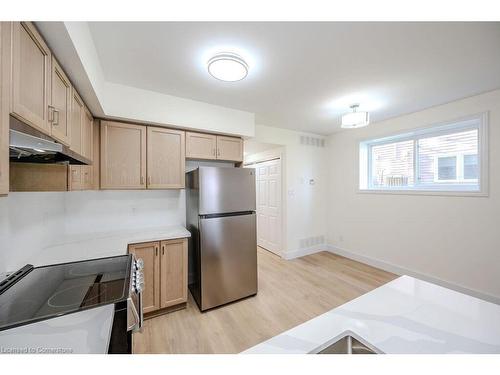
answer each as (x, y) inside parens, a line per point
(389, 267)
(303, 252)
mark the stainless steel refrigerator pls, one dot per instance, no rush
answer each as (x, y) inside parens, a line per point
(220, 214)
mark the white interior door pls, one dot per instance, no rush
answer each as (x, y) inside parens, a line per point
(268, 180)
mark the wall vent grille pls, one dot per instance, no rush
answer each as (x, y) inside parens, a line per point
(311, 241)
(312, 141)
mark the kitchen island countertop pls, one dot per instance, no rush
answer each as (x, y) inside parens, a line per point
(407, 316)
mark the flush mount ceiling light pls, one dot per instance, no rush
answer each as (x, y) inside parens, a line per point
(227, 67)
(355, 119)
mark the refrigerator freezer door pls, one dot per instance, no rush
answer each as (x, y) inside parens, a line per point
(228, 259)
(226, 190)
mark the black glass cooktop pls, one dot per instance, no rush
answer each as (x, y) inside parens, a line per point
(64, 288)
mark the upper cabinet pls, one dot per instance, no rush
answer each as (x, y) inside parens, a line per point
(60, 108)
(5, 30)
(87, 131)
(76, 119)
(31, 60)
(123, 156)
(141, 157)
(201, 146)
(213, 147)
(229, 148)
(165, 158)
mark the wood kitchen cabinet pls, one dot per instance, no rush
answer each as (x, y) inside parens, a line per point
(229, 148)
(60, 104)
(150, 253)
(75, 178)
(173, 272)
(165, 158)
(87, 171)
(201, 146)
(31, 60)
(86, 177)
(96, 155)
(123, 156)
(5, 30)
(76, 119)
(87, 131)
(213, 147)
(165, 273)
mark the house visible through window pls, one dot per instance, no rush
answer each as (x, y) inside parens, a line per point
(447, 168)
(440, 158)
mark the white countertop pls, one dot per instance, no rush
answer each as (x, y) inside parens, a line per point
(86, 331)
(406, 315)
(103, 244)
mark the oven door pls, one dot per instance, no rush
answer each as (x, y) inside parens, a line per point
(128, 316)
(135, 317)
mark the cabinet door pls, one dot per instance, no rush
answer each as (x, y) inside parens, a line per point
(166, 158)
(77, 109)
(75, 177)
(60, 104)
(87, 129)
(150, 254)
(174, 263)
(200, 146)
(95, 155)
(87, 180)
(5, 28)
(123, 156)
(229, 148)
(30, 76)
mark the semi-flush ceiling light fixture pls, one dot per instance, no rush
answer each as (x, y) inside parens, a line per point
(355, 119)
(227, 67)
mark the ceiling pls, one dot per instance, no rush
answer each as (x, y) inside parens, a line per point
(303, 76)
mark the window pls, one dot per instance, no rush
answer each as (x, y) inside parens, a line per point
(447, 157)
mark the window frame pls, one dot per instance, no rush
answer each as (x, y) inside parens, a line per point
(477, 121)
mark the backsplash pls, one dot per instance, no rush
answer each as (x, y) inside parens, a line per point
(29, 222)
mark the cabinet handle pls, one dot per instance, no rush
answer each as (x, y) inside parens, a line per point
(218, 152)
(156, 251)
(51, 113)
(163, 250)
(55, 122)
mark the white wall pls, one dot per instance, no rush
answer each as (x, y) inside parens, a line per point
(304, 204)
(31, 222)
(453, 240)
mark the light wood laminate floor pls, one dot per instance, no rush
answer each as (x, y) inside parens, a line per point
(290, 293)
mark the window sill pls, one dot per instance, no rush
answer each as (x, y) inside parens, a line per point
(449, 193)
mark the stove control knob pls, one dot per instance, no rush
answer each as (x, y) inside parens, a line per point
(139, 264)
(139, 287)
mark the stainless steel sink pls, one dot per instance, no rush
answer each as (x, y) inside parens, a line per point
(347, 345)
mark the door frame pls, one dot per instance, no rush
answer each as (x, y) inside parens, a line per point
(274, 154)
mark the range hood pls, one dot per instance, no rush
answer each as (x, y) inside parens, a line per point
(29, 145)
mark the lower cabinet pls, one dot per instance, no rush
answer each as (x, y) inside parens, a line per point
(149, 252)
(165, 273)
(80, 177)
